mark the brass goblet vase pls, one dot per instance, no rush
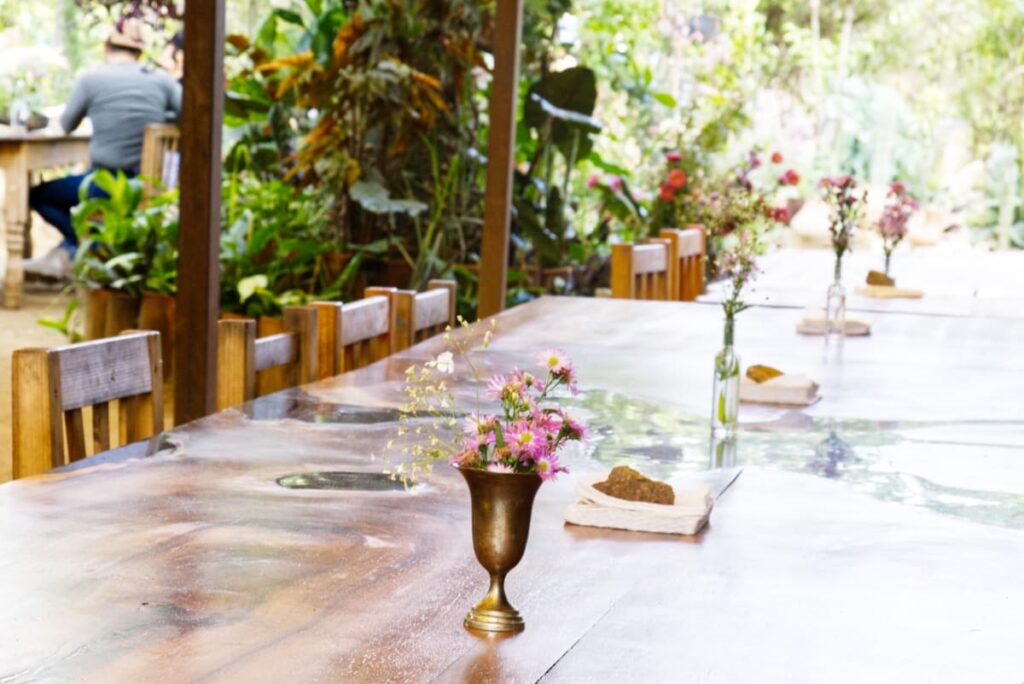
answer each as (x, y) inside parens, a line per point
(501, 505)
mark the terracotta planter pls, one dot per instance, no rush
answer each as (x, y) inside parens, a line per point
(122, 313)
(96, 313)
(502, 504)
(157, 313)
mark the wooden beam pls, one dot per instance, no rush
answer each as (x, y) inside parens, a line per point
(195, 356)
(507, 32)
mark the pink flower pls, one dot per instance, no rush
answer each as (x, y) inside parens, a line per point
(553, 360)
(593, 181)
(574, 429)
(615, 183)
(776, 157)
(676, 178)
(496, 386)
(495, 467)
(781, 215)
(897, 188)
(791, 177)
(526, 441)
(673, 157)
(667, 193)
(477, 424)
(547, 467)
(755, 161)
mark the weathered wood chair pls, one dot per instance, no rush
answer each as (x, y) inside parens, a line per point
(418, 315)
(53, 387)
(241, 355)
(160, 157)
(642, 271)
(686, 254)
(355, 334)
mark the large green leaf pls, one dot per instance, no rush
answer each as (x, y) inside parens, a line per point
(565, 99)
(375, 198)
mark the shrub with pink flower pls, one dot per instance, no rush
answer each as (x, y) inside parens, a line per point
(525, 436)
(892, 224)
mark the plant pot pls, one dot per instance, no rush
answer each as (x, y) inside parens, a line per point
(122, 313)
(96, 314)
(501, 505)
(157, 313)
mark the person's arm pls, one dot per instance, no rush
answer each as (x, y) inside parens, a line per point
(77, 106)
(174, 97)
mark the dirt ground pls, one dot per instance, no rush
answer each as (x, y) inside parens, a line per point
(18, 328)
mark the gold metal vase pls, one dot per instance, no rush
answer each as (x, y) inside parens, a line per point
(501, 504)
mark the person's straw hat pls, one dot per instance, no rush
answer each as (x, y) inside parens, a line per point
(129, 35)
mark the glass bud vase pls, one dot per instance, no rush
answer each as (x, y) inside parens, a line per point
(725, 395)
(835, 309)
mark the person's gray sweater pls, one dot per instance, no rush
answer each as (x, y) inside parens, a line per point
(121, 98)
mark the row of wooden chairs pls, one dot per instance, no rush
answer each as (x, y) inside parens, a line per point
(54, 388)
(669, 267)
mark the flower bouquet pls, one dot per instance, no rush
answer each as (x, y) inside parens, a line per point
(892, 224)
(846, 205)
(504, 456)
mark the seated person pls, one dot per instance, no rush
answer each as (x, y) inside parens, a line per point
(121, 98)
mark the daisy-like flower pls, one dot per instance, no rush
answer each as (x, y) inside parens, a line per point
(526, 440)
(553, 360)
(496, 386)
(573, 430)
(495, 467)
(445, 363)
(547, 467)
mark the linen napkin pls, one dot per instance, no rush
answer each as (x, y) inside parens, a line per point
(687, 515)
(815, 325)
(888, 292)
(784, 390)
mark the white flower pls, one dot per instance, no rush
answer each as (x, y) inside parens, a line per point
(444, 363)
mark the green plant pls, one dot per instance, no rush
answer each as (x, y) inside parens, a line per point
(128, 243)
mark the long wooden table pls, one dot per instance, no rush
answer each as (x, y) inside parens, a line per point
(21, 154)
(956, 281)
(873, 537)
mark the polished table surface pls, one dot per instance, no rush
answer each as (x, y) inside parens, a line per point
(955, 280)
(876, 536)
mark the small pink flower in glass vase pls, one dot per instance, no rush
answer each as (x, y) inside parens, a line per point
(892, 224)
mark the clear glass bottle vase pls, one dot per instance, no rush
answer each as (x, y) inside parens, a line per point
(835, 309)
(725, 395)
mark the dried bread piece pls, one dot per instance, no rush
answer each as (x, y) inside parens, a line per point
(760, 373)
(625, 483)
(879, 278)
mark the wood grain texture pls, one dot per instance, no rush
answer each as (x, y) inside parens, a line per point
(236, 362)
(193, 565)
(33, 414)
(686, 261)
(101, 370)
(641, 271)
(281, 349)
(202, 114)
(158, 140)
(506, 34)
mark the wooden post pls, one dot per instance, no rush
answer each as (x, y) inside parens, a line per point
(195, 362)
(508, 23)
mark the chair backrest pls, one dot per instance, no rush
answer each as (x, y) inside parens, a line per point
(52, 388)
(355, 334)
(418, 315)
(241, 355)
(160, 156)
(641, 271)
(686, 253)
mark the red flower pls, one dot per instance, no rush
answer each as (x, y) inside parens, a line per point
(791, 177)
(897, 188)
(667, 193)
(673, 156)
(781, 215)
(615, 183)
(676, 178)
(776, 157)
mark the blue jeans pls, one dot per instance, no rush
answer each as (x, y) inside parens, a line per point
(54, 200)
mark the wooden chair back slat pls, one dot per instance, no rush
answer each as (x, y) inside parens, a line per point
(641, 271)
(686, 253)
(275, 350)
(54, 389)
(241, 355)
(160, 156)
(417, 316)
(96, 372)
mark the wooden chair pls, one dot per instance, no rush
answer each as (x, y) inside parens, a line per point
(160, 157)
(241, 355)
(415, 316)
(641, 271)
(686, 254)
(355, 334)
(53, 387)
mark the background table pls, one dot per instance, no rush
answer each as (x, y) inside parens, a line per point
(21, 154)
(869, 538)
(955, 281)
